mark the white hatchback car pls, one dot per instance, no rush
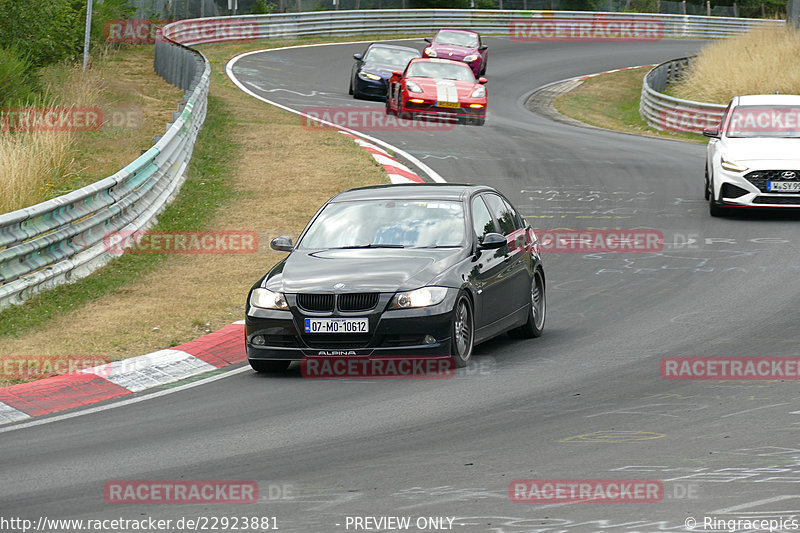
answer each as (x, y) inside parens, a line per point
(753, 156)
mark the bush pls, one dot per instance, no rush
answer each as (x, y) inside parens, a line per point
(16, 85)
(262, 7)
(44, 31)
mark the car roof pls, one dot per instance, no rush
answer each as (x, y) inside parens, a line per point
(769, 99)
(411, 191)
(459, 30)
(393, 46)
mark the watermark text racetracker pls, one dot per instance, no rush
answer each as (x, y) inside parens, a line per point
(74, 119)
(181, 242)
(586, 490)
(369, 119)
(730, 368)
(598, 28)
(149, 31)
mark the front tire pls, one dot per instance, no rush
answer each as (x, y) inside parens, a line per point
(714, 208)
(538, 311)
(389, 110)
(462, 332)
(268, 367)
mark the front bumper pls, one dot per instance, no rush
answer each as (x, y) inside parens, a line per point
(749, 189)
(430, 108)
(371, 88)
(391, 332)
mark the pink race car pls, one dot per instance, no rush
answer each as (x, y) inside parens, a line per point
(459, 45)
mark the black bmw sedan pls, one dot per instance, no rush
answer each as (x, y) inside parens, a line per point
(415, 270)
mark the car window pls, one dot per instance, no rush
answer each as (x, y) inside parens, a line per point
(482, 221)
(446, 70)
(469, 40)
(407, 223)
(390, 56)
(503, 213)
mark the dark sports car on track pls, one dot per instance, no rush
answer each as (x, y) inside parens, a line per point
(401, 270)
(373, 68)
(437, 88)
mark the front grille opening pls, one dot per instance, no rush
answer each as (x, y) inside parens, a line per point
(316, 302)
(759, 178)
(782, 200)
(732, 191)
(358, 301)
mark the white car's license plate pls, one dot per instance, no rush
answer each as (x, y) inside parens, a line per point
(783, 185)
(336, 325)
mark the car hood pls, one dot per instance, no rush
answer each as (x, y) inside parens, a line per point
(762, 149)
(445, 90)
(360, 270)
(384, 70)
(444, 50)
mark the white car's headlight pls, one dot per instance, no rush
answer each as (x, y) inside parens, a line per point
(732, 166)
(368, 76)
(266, 299)
(430, 52)
(413, 87)
(424, 297)
(470, 58)
(479, 92)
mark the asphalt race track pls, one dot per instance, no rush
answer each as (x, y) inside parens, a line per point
(584, 401)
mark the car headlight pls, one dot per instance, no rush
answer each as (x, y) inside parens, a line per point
(732, 165)
(470, 58)
(479, 92)
(266, 299)
(413, 87)
(368, 76)
(424, 297)
(430, 52)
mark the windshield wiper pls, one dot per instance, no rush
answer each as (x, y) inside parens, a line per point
(372, 245)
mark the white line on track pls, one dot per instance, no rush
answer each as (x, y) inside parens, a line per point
(229, 71)
(129, 401)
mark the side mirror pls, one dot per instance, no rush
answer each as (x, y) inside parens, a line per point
(711, 132)
(492, 241)
(282, 244)
(397, 73)
(483, 47)
(357, 57)
(482, 80)
(427, 40)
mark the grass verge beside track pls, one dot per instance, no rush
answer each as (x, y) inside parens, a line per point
(611, 101)
(255, 168)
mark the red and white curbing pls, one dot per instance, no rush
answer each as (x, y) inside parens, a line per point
(398, 173)
(119, 378)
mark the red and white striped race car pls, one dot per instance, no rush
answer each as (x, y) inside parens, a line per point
(437, 88)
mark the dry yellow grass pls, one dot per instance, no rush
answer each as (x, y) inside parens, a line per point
(762, 61)
(134, 103)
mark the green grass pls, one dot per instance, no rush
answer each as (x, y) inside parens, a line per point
(202, 194)
(611, 101)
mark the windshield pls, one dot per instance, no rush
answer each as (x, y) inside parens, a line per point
(764, 121)
(469, 40)
(387, 223)
(390, 56)
(446, 71)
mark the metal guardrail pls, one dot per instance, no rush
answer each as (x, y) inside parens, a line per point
(387, 21)
(63, 239)
(668, 113)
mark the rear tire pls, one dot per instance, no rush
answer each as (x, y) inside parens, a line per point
(538, 311)
(462, 332)
(269, 367)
